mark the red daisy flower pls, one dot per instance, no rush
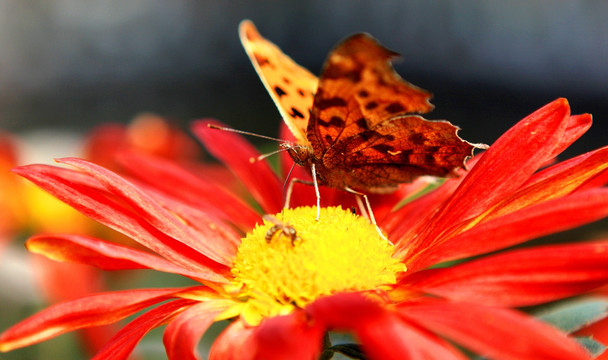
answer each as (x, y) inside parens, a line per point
(25, 208)
(285, 291)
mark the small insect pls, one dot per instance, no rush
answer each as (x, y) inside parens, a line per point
(281, 228)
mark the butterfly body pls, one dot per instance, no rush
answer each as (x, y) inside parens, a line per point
(383, 165)
(357, 123)
(337, 177)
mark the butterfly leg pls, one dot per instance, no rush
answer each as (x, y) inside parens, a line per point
(313, 183)
(287, 193)
(370, 212)
(290, 190)
(361, 207)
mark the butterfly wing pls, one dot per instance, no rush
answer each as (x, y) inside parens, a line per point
(398, 151)
(291, 86)
(360, 125)
(359, 82)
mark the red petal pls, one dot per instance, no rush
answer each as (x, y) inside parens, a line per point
(577, 126)
(597, 181)
(89, 311)
(555, 181)
(528, 223)
(100, 253)
(83, 280)
(288, 337)
(197, 190)
(344, 311)
(496, 333)
(184, 332)
(404, 223)
(149, 210)
(520, 278)
(507, 164)
(76, 190)
(383, 334)
(235, 152)
(51, 278)
(234, 343)
(122, 344)
(390, 337)
(579, 166)
(203, 223)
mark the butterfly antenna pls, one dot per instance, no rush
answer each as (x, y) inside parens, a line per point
(261, 157)
(264, 156)
(217, 127)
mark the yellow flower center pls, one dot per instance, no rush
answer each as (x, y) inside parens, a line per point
(292, 259)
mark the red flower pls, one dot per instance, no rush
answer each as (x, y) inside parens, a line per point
(283, 296)
(146, 133)
(25, 208)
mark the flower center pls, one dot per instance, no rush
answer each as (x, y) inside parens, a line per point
(292, 259)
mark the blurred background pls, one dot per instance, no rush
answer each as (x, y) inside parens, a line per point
(72, 64)
(67, 66)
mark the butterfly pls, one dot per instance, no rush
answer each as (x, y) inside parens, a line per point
(356, 126)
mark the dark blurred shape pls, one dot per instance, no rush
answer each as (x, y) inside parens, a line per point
(75, 63)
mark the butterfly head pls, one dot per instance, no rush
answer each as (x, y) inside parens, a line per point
(301, 154)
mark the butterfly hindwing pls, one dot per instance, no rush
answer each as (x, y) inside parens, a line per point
(401, 149)
(291, 86)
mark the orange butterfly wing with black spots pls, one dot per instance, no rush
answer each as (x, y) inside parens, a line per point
(362, 129)
(356, 123)
(291, 86)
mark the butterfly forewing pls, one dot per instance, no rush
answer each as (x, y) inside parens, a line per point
(291, 86)
(359, 89)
